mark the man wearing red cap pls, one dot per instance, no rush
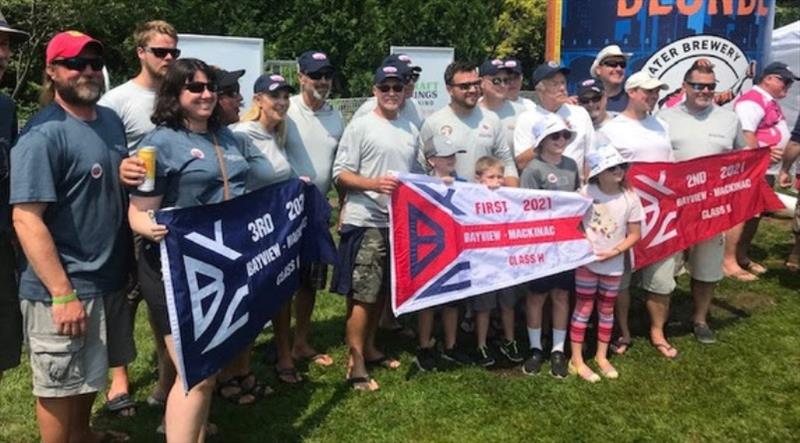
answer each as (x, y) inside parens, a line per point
(10, 321)
(69, 213)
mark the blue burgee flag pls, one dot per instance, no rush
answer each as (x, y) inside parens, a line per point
(229, 267)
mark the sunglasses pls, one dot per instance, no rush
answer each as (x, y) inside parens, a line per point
(623, 166)
(387, 88)
(197, 87)
(229, 92)
(587, 100)
(467, 86)
(560, 134)
(497, 81)
(615, 64)
(327, 75)
(162, 52)
(80, 63)
(701, 86)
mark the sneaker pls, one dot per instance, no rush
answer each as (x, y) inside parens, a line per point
(704, 334)
(510, 350)
(558, 364)
(484, 357)
(426, 359)
(453, 355)
(533, 365)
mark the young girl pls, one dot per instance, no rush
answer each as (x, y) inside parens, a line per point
(550, 170)
(612, 226)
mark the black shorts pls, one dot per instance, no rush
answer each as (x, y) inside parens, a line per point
(314, 276)
(152, 286)
(564, 280)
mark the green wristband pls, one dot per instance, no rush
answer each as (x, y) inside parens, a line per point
(64, 299)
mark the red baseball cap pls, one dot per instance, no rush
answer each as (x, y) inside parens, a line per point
(69, 44)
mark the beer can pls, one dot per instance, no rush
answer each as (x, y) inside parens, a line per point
(148, 155)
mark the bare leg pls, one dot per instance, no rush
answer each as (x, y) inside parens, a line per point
(425, 327)
(356, 333)
(450, 324)
(305, 299)
(55, 418)
(166, 370)
(482, 327)
(703, 293)
(658, 308)
(623, 307)
(282, 323)
(507, 318)
(748, 234)
(560, 299)
(187, 414)
(119, 386)
(533, 311)
(730, 265)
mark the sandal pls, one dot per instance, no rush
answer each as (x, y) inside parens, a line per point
(753, 267)
(257, 388)
(243, 395)
(384, 362)
(621, 346)
(289, 376)
(319, 359)
(361, 383)
(666, 350)
(120, 404)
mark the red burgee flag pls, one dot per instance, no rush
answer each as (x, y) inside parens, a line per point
(690, 201)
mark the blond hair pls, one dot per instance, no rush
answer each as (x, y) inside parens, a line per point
(254, 114)
(488, 162)
(145, 31)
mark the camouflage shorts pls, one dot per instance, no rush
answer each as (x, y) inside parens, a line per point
(371, 268)
(796, 219)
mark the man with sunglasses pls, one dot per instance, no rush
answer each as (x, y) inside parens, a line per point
(697, 128)
(410, 108)
(550, 84)
(313, 130)
(10, 319)
(764, 125)
(229, 98)
(609, 67)
(471, 127)
(69, 214)
(592, 97)
(370, 148)
(133, 101)
(515, 86)
(495, 80)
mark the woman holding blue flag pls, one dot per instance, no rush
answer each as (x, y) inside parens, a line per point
(198, 162)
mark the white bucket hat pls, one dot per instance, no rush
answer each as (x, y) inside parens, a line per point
(602, 158)
(551, 124)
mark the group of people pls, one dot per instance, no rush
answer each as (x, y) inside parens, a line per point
(89, 240)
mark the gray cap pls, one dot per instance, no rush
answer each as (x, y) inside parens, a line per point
(15, 34)
(441, 145)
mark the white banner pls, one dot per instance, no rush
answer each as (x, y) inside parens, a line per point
(430, 94)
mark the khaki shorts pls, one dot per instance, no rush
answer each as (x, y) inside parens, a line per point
(371, 267)
(705, 259)
(658, 277)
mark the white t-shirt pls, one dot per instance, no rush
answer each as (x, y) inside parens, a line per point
(311, 140)
(134, 105)
(606, 225)
(750, 114)
(267, 144)
(410, 110)
(523, 104)
(644, 140)
(508, 119)
(577, 119)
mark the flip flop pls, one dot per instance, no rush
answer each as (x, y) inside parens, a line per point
(743, 276)
(319, 359)
(385, 362)
(753, 267)
(288, 373)
(120, 403)
(665, 349)
(620, 346)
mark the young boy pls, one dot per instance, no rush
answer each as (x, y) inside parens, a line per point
(440, 153)
(490, 171)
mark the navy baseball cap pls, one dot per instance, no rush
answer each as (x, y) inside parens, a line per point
(269, 83)
(310, 62)
(547, 70)
(386, 72)
(397, 59)
(590, 87)
(492, 67)
(513, 65)
(779, 69)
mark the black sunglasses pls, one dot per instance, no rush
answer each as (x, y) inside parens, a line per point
(560, 134)
(615, 64)
(229, 92)
(327, 75)
(80, 63)
(197, 87)
(500, 81)
(700, 86)
(386, 88)
(162, 52)
(587, 100)
(467, 86)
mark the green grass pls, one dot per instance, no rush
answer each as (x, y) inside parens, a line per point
(744, 388)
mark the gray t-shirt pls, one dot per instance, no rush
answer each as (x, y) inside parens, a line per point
(712, 131)
(371, 146)
(73, 166)
(311, 140)
(134, 106)
(542, 175)
(507, 114)
(8, 133)
(410, 110)
(187, 168)
(279, 168)
(480, 133)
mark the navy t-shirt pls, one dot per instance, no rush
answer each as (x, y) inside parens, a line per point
(73, 166)
(8, 133)
(617, 103)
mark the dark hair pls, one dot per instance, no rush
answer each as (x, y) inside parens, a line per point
(697, 68)
(456, 67)
(167, 110)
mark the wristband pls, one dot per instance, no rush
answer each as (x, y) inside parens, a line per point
(64, 299)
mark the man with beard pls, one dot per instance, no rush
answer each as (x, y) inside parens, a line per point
(592, 97)
(313, 130)
(10, 320)
(472, 127)
(69, 210)
(133, 101)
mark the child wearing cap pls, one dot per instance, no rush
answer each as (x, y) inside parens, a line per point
(612, 226)
(440, 154)
(553, 171)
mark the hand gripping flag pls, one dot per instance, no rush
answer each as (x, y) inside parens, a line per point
(691, 201)
(229, 267)
(454, 241)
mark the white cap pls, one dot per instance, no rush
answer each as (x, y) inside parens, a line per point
(551, 124)
(604, 157)
(643, 80)
(608, 51)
